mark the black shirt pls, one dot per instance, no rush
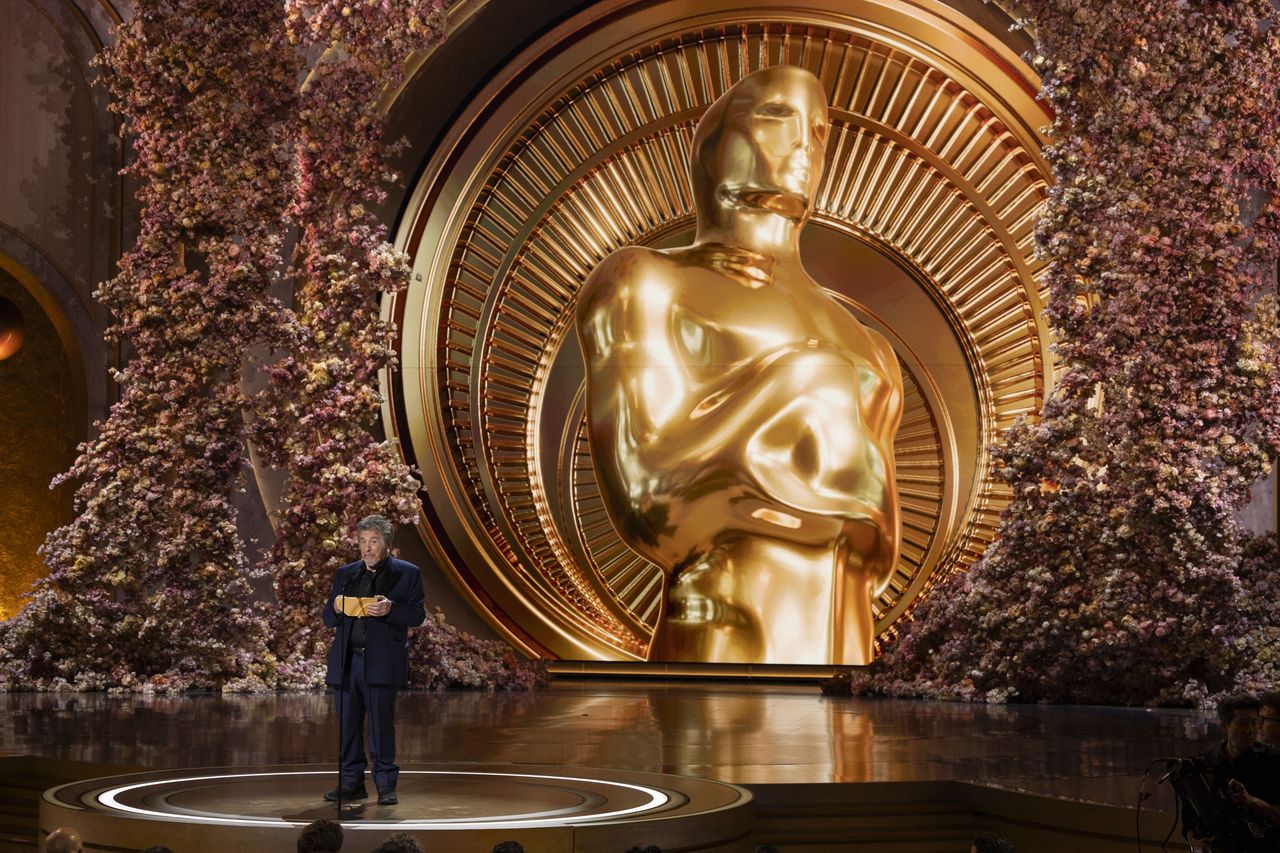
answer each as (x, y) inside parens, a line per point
(362, 586)
(1258, 769)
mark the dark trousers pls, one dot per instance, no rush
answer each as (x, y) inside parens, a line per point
(356, 697)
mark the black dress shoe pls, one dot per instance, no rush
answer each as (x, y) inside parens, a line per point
(388, 798)
(347, 794)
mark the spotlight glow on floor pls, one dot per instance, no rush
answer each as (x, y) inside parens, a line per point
(656, 799)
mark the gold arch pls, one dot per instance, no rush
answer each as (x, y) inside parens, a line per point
(934, 172)
(43, 393)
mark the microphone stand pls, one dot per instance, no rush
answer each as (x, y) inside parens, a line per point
(342, 676)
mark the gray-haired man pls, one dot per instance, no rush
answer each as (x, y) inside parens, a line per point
(373, 604)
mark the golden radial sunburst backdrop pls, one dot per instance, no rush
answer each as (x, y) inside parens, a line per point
(922, 228)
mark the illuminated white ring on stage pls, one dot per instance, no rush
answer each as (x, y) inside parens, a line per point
(656, 800)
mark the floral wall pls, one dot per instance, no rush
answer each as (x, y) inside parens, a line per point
(1122, 573)
(250, 121)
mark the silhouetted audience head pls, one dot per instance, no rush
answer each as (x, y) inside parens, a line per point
(1269, 731)
(766, 848)
(400, 842)
(652, 848)
(322, 836)
(991, 844)
(159, 848)
(508, 847)
(1228, 707)
(64, 839)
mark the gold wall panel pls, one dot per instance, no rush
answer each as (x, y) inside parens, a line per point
(42, 413)
(922, 227)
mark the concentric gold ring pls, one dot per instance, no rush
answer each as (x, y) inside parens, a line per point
(923, 227)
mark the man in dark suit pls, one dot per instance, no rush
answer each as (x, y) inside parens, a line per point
(369, 658)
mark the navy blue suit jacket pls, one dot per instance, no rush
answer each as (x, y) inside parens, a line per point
(386, 637)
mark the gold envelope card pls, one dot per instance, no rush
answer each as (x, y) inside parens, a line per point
(351, 605)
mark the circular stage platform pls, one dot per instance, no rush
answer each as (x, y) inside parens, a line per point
(455, 807)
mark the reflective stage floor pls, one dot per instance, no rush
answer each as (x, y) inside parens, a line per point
(757, 735)
(455, 807)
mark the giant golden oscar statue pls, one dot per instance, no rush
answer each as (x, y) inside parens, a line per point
(741, 421)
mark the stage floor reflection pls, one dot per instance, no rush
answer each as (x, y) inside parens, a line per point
(740, 733)
(465, 808)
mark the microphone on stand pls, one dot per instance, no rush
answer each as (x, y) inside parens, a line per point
(342, 675)
(1174, 765)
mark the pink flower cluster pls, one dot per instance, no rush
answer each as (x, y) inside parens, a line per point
(1122, 573)
(318, 417)
(442, 656)
(149, 587)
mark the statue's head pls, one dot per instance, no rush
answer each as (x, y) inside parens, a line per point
(760, 146)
